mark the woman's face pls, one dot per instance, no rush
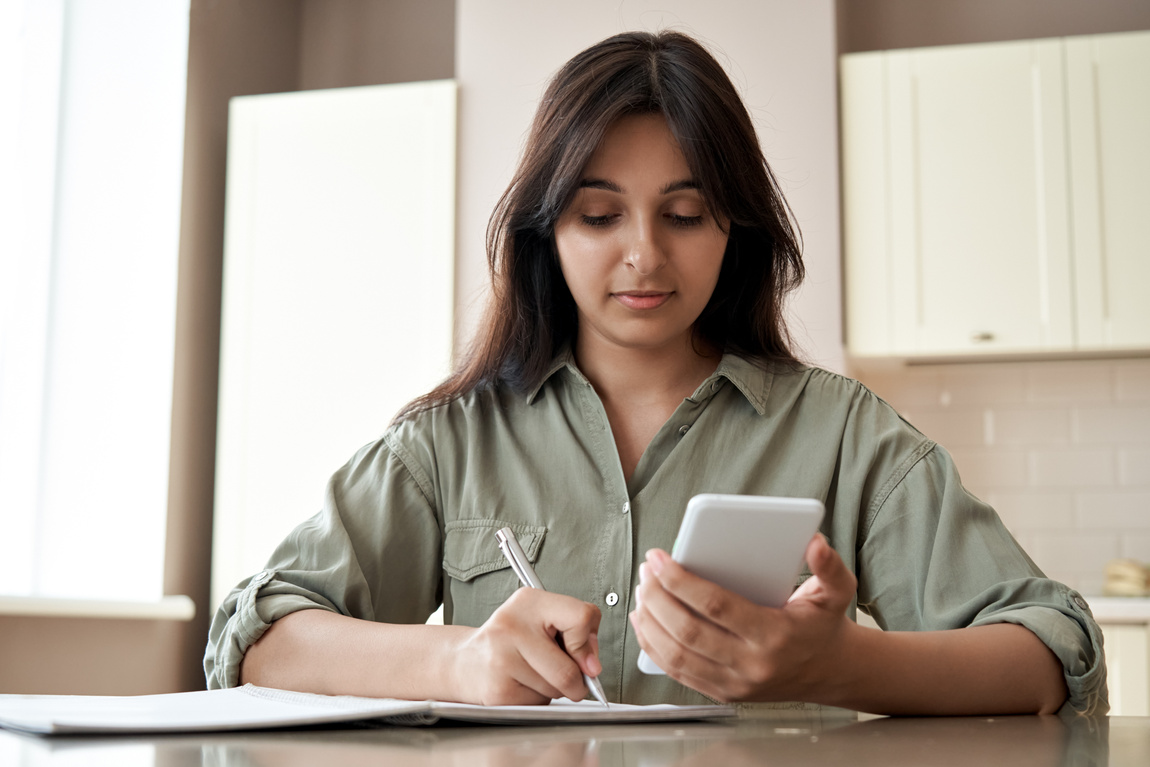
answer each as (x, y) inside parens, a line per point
(638, 248)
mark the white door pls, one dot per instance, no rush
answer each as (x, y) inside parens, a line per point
(338, 294)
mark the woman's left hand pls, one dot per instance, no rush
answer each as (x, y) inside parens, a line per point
(731, 649)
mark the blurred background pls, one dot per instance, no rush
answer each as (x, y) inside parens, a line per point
(107, 564)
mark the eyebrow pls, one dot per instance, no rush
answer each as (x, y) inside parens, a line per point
(611, 186)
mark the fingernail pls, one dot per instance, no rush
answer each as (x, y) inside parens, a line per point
(643, 575)
(655, 559)
(595, 668)
(638, 599)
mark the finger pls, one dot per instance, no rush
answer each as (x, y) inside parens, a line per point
(678, 661)
(832, 585)
(684, 625)
(578, 629)
(568, 630)
(547, 670)
(721, 607)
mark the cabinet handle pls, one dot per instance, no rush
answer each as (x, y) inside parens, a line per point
(982, 337)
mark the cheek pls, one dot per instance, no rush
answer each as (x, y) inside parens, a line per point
(582, 261)
(708, 266)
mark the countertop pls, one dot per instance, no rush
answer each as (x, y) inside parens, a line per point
(1120, 609)
(767, 739)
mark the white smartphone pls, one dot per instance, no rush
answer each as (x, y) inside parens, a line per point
(750, 544)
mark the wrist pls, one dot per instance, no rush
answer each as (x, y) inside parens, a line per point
(447, 663)
(846, 664)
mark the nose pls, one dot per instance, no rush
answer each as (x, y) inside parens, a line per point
(645, 252)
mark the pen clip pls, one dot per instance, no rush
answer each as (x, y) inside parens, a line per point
(515, 555)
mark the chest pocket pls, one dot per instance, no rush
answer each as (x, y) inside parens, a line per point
(480, 577)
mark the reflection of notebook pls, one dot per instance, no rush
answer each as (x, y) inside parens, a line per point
(253, 708)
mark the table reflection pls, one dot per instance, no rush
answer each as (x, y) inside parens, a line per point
(1023, 741)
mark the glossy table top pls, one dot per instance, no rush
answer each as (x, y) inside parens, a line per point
(777, 738)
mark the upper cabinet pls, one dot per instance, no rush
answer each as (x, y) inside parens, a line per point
(997, 198)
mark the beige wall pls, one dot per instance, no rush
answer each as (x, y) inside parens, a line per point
(780, 54)
(868, 25)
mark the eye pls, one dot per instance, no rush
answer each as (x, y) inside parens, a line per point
(597, 220)
(685, 221)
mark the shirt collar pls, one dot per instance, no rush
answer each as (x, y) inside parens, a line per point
(751, 379)
(564, 359)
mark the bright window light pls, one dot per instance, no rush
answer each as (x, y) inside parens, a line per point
(92, 99)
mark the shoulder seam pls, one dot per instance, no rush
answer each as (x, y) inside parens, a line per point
(413, 469)
(893, 481)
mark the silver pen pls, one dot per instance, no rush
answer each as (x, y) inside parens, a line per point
(511, 549)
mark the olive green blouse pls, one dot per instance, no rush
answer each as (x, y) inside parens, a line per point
(409, 522)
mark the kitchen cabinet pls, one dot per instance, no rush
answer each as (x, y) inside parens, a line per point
(1125, 624)
(996, 196)
(1108, 100)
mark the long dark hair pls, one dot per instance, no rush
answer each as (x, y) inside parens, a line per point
(531, 314)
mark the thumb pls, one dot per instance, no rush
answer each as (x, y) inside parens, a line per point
(832, 586)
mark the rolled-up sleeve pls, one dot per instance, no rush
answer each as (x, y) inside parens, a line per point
(934, 557)
(373, 552)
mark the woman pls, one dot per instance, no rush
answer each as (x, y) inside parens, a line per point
(634, 355)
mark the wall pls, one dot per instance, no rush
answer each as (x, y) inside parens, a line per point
(1061, 449)
(871, 25)
(236, 47)
(781, 55)
(233, 48)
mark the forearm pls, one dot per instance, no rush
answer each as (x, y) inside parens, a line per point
(324, 652)
(995, 669)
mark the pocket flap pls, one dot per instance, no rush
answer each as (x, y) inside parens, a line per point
(470, 548)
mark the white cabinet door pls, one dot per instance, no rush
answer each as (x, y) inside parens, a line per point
(973, 225)
(997, 197)
(1108, 94)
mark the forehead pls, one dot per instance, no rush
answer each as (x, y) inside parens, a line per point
(638, 146)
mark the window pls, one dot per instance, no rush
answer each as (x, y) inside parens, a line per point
(91, 158)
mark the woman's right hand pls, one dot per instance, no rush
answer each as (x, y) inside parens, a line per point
(513, 658)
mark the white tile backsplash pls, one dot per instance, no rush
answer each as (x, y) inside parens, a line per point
(1136, 546)
(1112, 425)
(963, 427)
(1069, 383)
(1029, 511)
(1113, 510)
(1016, 426)
(1061, 449)
(1132, 381)
(1134, 467)
(1075, 551)
(984, 470)
(1085, 467)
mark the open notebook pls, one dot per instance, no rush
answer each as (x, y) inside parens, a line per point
(254, 708)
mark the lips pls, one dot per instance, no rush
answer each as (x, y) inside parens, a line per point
(642, 299)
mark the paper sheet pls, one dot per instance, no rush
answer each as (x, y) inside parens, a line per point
(250, 707)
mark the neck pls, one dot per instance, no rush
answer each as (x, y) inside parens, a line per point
(644, 375)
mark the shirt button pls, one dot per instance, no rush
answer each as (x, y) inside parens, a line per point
(1080, 602)
(715, 386)
(683, 429)
(626, 507)
(612, 599)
